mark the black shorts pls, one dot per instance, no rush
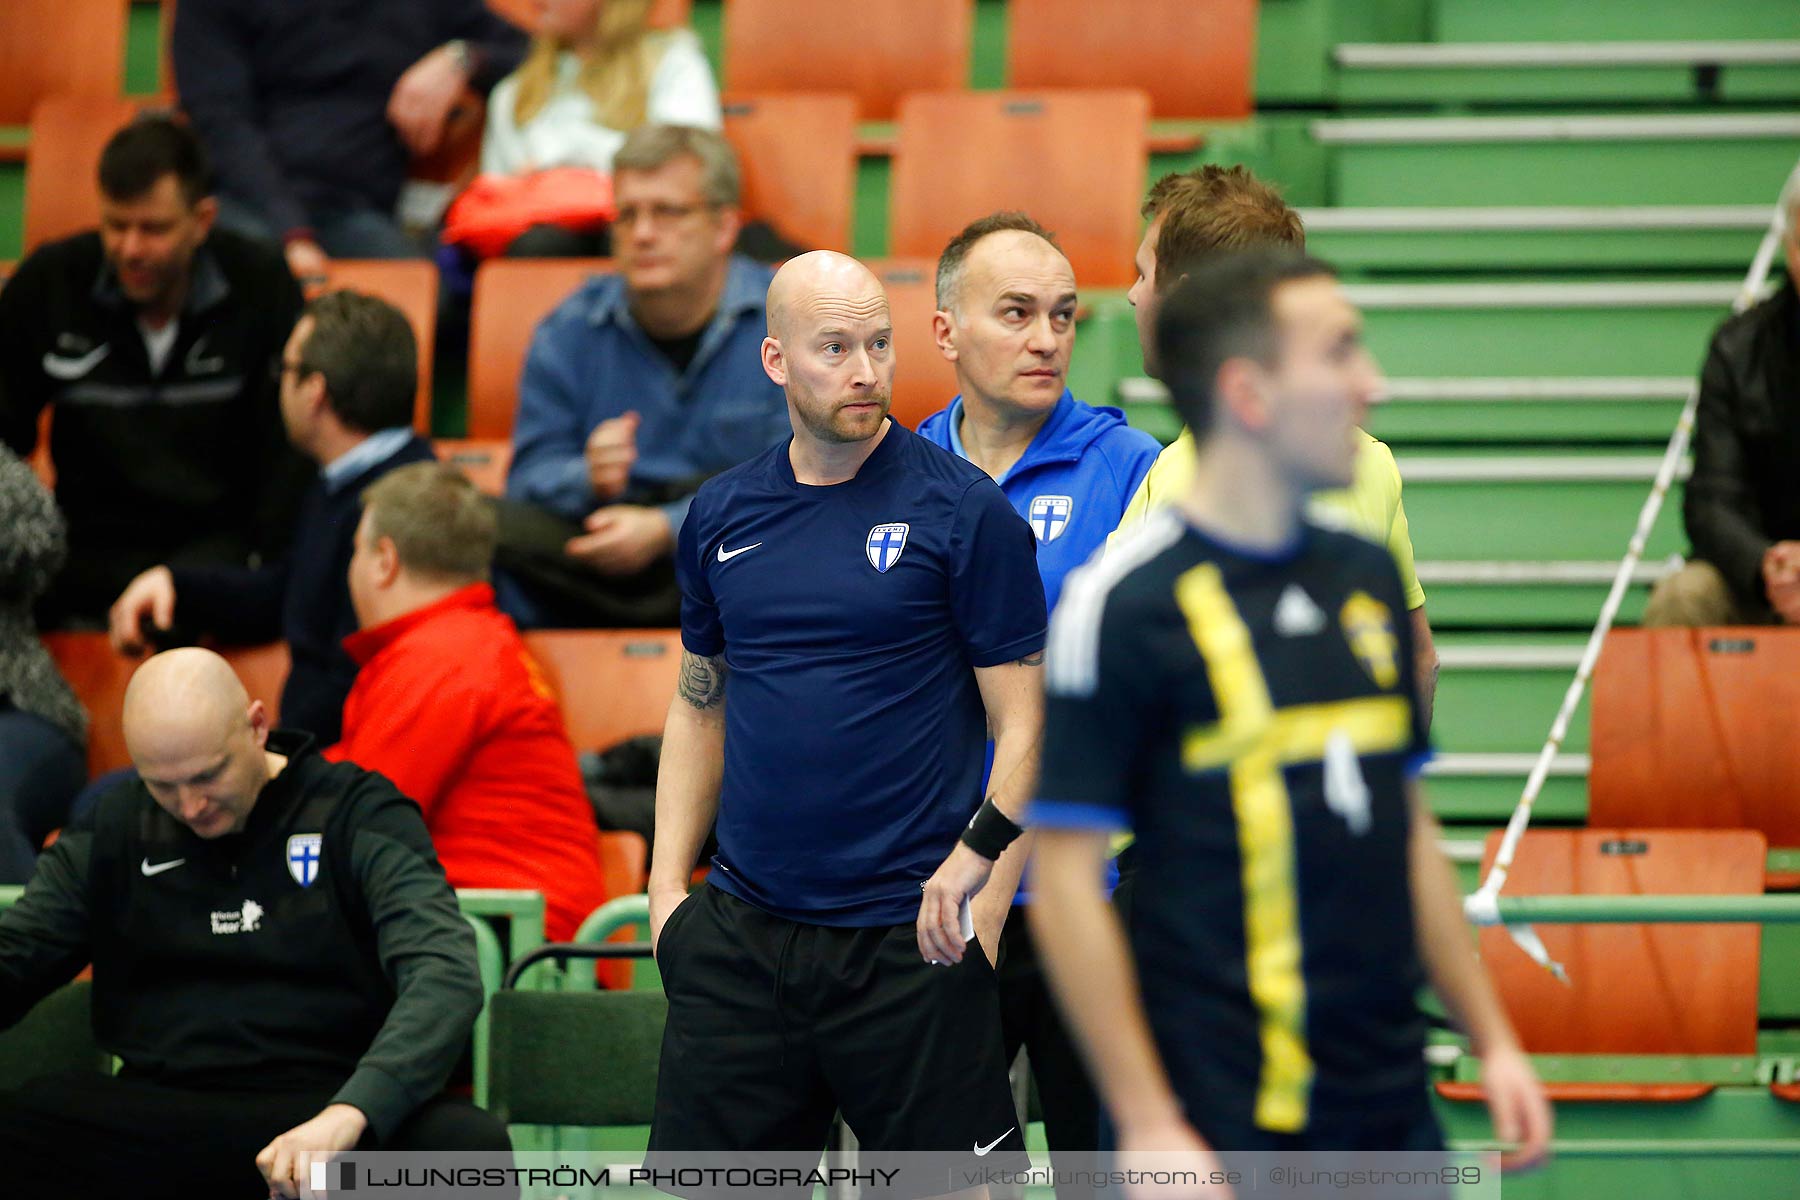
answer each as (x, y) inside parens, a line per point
(82, 1135)
(775, 1025)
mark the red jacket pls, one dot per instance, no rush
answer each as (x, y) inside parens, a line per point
(450, 706)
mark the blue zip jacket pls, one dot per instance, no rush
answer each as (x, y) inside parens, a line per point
(1072, 483)
(589, 361)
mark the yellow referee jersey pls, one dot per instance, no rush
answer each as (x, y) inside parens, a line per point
(1370, 506)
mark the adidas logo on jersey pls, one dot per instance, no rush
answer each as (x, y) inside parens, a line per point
(1296, 615)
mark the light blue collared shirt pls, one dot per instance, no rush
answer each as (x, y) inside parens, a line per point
(377, 447)
(590, 361)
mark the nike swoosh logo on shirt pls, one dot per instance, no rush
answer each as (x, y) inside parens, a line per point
(66, 369)
(149, 868)
(199, 364)
(727, 555)
(982, 1150)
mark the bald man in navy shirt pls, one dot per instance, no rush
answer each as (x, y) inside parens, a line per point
(859, 608)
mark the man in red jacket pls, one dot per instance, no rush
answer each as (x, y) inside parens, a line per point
(449, 705)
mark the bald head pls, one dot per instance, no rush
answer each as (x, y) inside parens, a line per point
(187, 689)
(196, 739)
(830, 347)
(818, 281)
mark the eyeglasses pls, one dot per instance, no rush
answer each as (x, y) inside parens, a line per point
(280, 369)
(658, 214)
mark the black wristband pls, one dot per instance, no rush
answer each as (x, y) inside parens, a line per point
(990, 831)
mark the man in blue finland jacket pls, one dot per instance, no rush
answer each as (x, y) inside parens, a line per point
(1006, 320)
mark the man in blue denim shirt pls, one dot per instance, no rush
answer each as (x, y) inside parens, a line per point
(643, 384)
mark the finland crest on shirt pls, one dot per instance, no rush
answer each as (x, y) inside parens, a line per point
(303, 857)
(1049, 516)
(885, 544)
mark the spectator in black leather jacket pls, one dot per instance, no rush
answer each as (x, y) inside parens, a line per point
(1743, 500)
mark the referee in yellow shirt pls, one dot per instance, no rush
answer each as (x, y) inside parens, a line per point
(1194, 214)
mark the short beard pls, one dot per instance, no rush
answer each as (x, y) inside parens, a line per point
(826, 431)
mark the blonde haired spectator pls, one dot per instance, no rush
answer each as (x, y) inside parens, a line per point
(595, 72)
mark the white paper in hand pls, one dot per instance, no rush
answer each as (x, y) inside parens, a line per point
(965, 915)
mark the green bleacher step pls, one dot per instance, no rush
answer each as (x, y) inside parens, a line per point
(1533, 508)
(1488, 329)
(1654, 327)
(1562, 160)
(1507, 329)
(1634, 409)
(1465, 788)
(1530, 595)
(1628, 408)
(1667, 72)
(1738, 1142)
(1498, 694)
(1610, 20)
(1719, 237)
(1723, 1069)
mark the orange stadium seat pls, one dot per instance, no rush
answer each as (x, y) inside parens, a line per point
(483, 460)
(412, 287)
(1681, 990)
(612, 684)
(881, 50)
(923, 381)
(40, 459)
(1693, 729)
(511, 297)
(62, 191)
(623, 857)
(665, 14)
(1194, 57)
(55, 47)
(1074, 160)
(165, 36)
(98, 675)
(798, 158)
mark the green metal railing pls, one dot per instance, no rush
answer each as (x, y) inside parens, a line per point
(618, 913)
(523, 911)
(1660, 910)
(1660, 1148)
(491, 961)
(613, 916)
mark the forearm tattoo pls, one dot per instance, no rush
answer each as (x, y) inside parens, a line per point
(702, 682)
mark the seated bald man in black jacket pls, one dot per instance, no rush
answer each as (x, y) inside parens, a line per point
(278, 961)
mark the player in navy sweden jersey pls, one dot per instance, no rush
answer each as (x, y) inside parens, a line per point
(1236, 686)
(858, 608)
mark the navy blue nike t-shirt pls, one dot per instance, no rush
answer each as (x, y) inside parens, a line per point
(851, 618)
